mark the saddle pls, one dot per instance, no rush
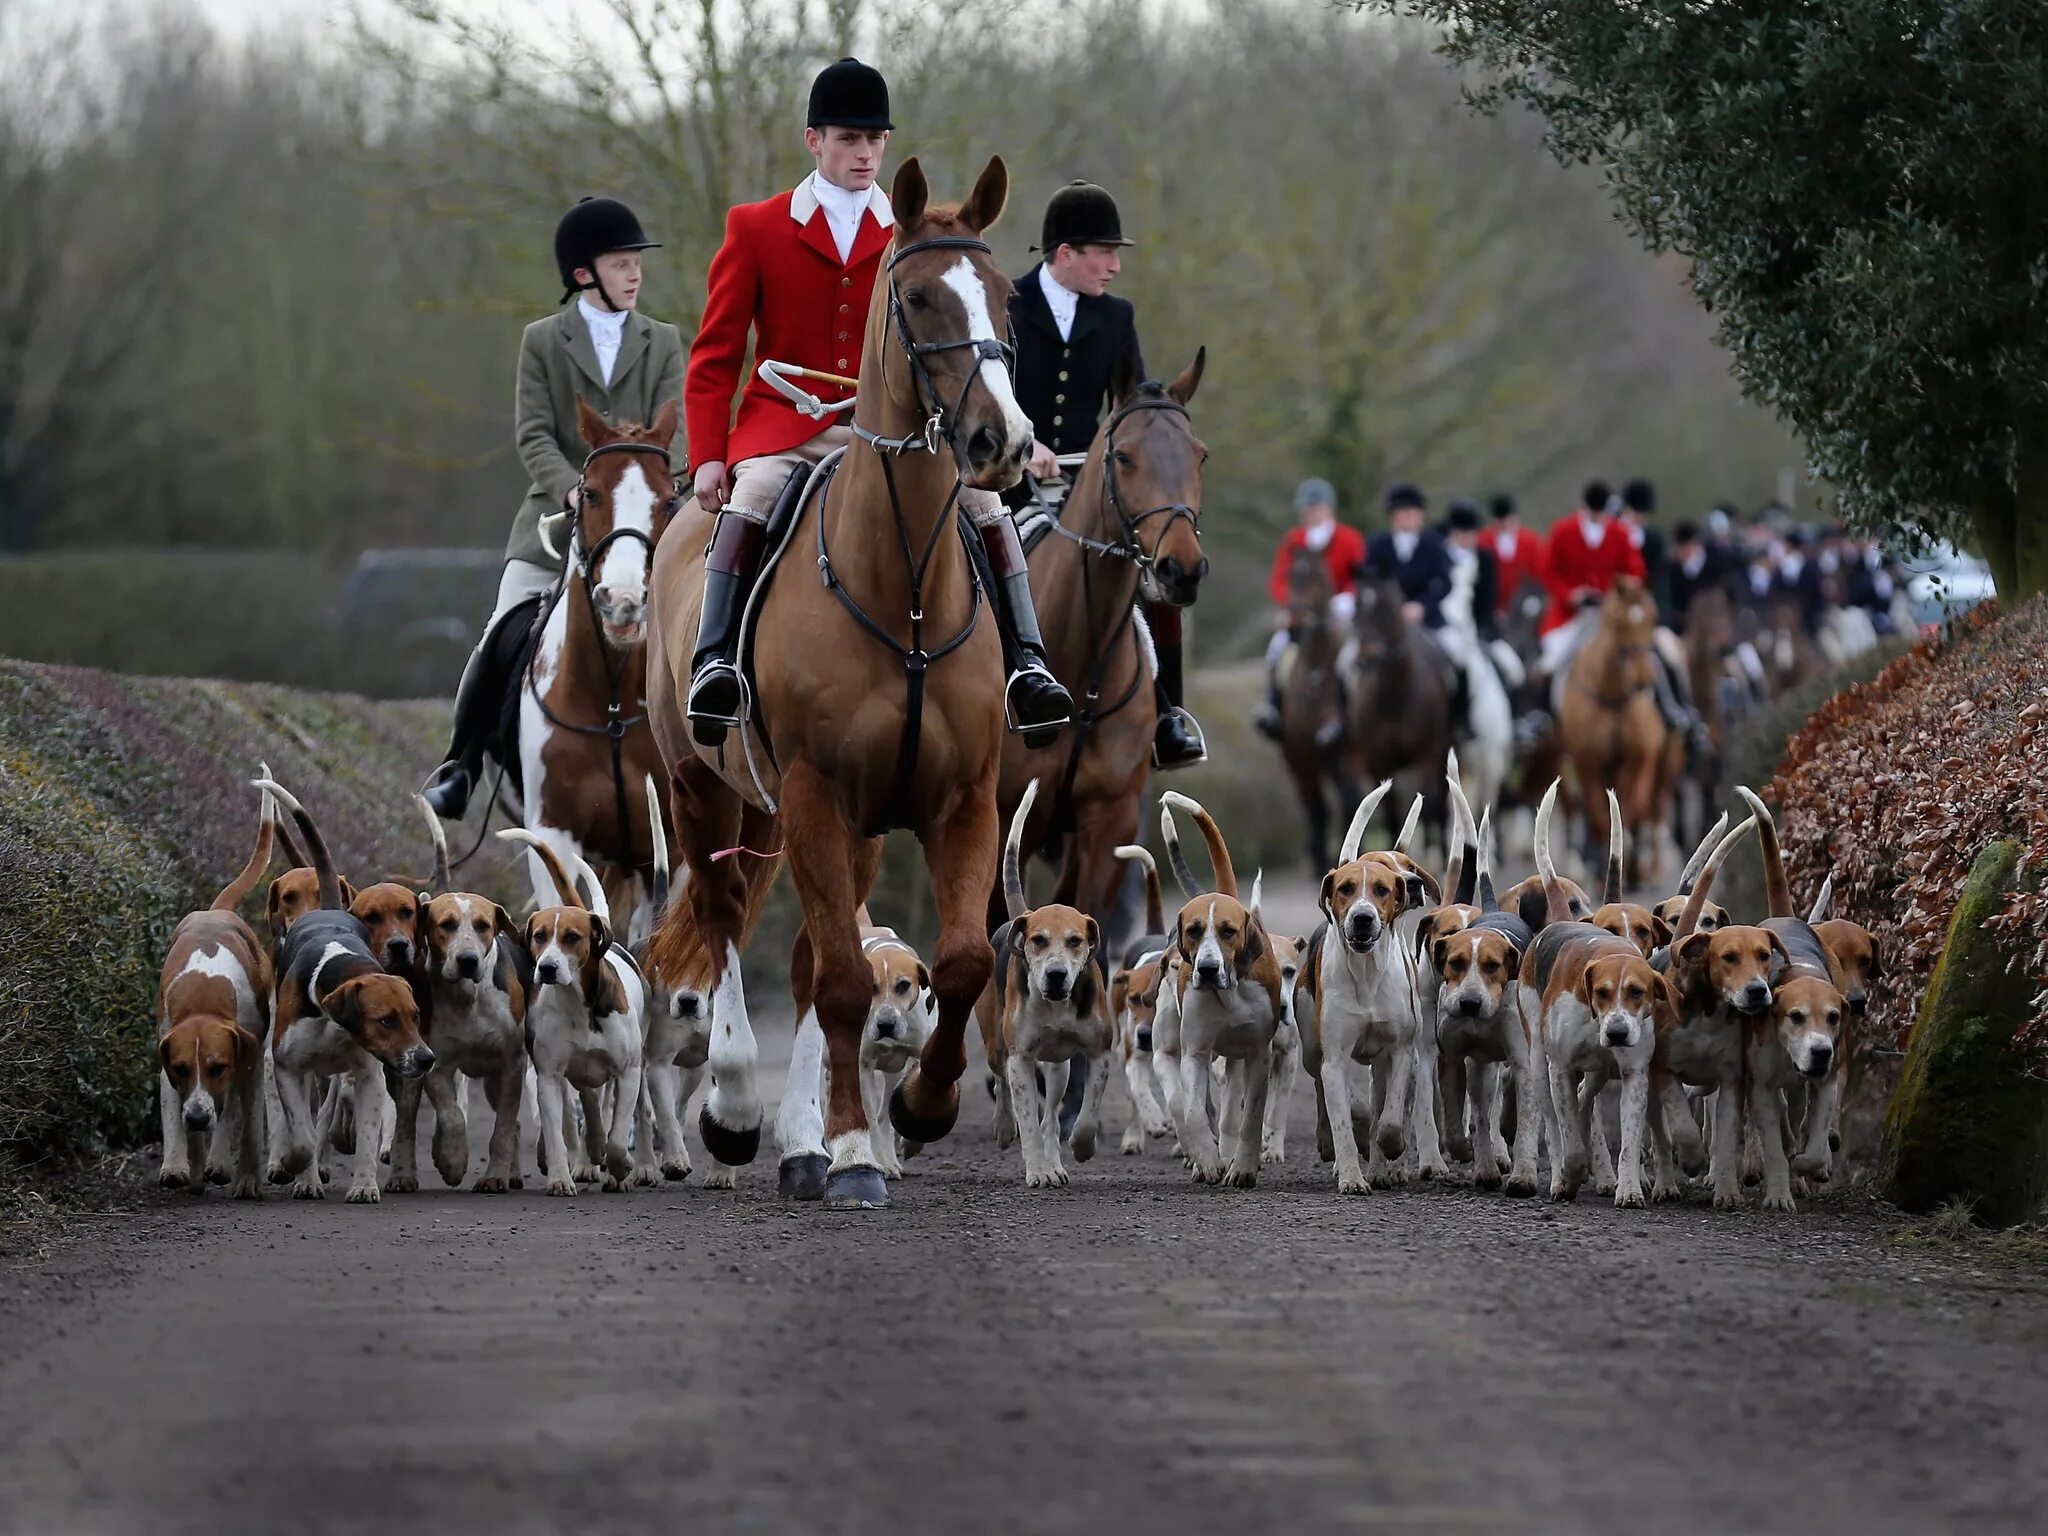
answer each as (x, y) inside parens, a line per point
(509, 652)
(805, 482)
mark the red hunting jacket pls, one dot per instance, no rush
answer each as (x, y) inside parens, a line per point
(778, 275)
(1572, 563)
(1518, 570)
(1343, 555)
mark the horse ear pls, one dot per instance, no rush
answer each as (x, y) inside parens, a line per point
(909, 196)
(664, 428)
(589, 424)
(984, 204)
(1183, 388)
(1123, 377)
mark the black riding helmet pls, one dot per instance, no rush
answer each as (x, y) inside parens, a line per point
(596, 227)
(1079, 214)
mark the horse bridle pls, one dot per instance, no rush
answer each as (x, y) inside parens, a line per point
(987, 350)
(1129, 544)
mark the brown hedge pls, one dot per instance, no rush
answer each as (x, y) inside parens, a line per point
(1896, 785)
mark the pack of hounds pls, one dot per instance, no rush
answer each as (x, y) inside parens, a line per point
(1438, 1022)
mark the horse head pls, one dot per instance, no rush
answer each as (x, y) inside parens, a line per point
(1308, 590)
(950, 310)
(627, 496)
(1628, 616)
(1152, 477)
(1382, 634)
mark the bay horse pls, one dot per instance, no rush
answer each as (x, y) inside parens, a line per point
(1612, 731)
(1129, 528)
(1313, 730)
(878, 704)
(1399, 710)
(584, 742)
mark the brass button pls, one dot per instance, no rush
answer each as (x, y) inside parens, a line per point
(1056, 421)
(842, 335)
(844, 308)
(842, 362)
(1063, 375)
(846, 282)
(1059, 399)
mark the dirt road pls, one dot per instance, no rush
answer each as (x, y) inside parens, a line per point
(1133, 1354)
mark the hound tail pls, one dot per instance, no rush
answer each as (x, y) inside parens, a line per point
(564, 886)
(1354, 835)
(1405, 843)
(285, 840)
(1696, 898)
(1258, 892)
(1219, 852)
(1169, 829)
(444, 877)
(1014, 901)
(1698, 860)
(1483, 891)
(1617, 848)
(1823, 903)
(1778, 894)
(1155, 909)
(658, 889)
(1557, 902)
(316, 845)
(238, 889)
(1462, 873)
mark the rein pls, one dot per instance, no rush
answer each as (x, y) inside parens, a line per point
(1614, 662)
(916, 657)
(588, 561)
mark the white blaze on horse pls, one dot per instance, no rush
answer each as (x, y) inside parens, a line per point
(877, 704)
(584, 743)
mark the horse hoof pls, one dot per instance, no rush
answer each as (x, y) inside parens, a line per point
(856, 1189)
(912, 1126)
(802, 1177)
(736, 1148)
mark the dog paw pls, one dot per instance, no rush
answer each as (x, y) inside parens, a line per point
(1239, 1176)
(518, 1181)
(675, 1170)
(309, 1189)
(1663, 1190)
(721, 1176)
(1082, 1146)
(561, 1186)
(219, 1173)
(1562, 1193)
(1808, 1166)
(645, 1177)
(1458, 1148)
(1484, 1180)
(1273, 1156)
(1782, 1202)
(1629, 1197)
(493, 1184)
(405, 1184)
(276, 1173)
(1132, 1144)
(1432, 1171)
(249, 1188)
(364, 1194)
(585, 1173)
(611, 1185)
(1348, 1184)
(1604, 1184)
(1522, 1186)
(174, 1178)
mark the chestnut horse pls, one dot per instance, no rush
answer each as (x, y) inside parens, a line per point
(1128, 528)
(1612, 731)
(878, 704)
(584, 744)
(1312, 725)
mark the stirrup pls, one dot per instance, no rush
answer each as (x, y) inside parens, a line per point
(706, 726)
(1194, 728)
(1045, 729)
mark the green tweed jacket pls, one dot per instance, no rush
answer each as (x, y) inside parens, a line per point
(556, 364)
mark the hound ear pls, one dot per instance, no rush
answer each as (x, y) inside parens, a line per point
(1180, 932)
(909, 196)
(1016, 936)
(924, 978)
(984, 204)
(163, 1052)
(1252, 949)
(348, 893)
(1668, 1004)
(1784, 956)
(1183, 387)
(1094, 936)
(1582, 989)
(344, 1005)
(1514, 957)
(271, 913)
(1437, 951)
(600, 937)
(1692, 949)
(589, 425)
(503, 919)
(1324, 896)
(1661, 929)
(1876, 959)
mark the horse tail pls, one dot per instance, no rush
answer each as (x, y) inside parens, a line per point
(1696, 898)
(657, 893)
(1219, 852)
(443, 876)
(1778, 894)
(551, 861)
(1483, 890)
(1823, 902)
(237, 891)
(1354, 835)
(1691, 871)
(1557, 902)
(1611, 892)
(316, 845)
(1013, 865)
(1155, 909)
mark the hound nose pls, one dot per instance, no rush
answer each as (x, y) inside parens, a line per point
(419, 1061)
(198, 1115)
(1756, 995)
(886, 1028)
(1469, 1007)
(687, 1005)
(1858, 1002)
(547, 973)
(468, 967)
(1209, 971)
(1055, 983)
(1144, 1039)
(1822, 1056)
(1361, 930)
(397, 951)
(1617, 1034)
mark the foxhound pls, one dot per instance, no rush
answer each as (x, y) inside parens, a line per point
(213, 1016)
(1133, 1000)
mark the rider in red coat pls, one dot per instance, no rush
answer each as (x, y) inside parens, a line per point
(1343, 550)
(1517, 552)
(1585, 555)
(798, 271)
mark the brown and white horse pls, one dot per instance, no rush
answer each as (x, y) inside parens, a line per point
(828, 765)
(1614, 734)
(1128, 528)
(584, 743)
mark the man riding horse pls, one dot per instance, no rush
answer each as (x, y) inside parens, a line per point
(1070, 334)
(798, 271)
(626, 366)
(1342, 551)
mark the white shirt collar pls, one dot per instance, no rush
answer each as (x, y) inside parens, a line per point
(1060, 299)
(843, 209)
(1318, 537)
(1594, 529)
(611, 320)
(1504, 543)
(1404, 546)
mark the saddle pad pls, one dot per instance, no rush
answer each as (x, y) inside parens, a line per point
(1035, 518)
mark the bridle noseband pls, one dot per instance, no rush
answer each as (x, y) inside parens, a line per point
(936, 428)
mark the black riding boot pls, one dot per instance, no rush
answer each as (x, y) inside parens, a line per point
(1674, 701)
(1269, 722)
(479, 703)
(1034, 703)
(729, 568)
(1177, 740)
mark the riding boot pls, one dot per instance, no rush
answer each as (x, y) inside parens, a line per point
(1177, 739)
(1034, 703)
(716, 697)
(1674, 701)
(479, 702)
